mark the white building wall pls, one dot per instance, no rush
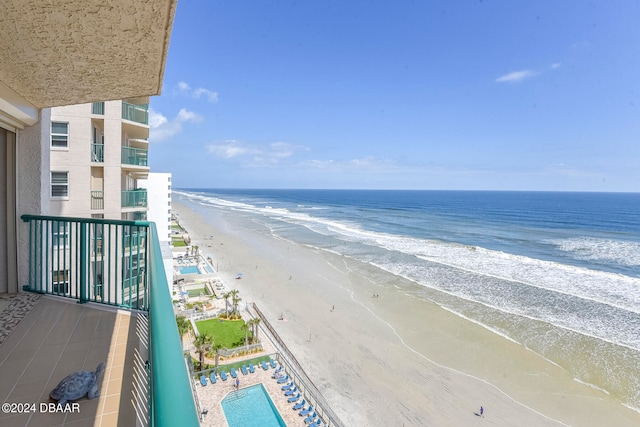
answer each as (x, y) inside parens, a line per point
(113, 160)
(158, 187)
(73, 159)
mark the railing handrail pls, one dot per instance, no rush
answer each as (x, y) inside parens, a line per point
(28, 217)
(173, 400)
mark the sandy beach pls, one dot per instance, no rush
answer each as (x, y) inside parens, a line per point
(394, 359)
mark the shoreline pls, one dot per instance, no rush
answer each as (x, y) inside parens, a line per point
(395, 359)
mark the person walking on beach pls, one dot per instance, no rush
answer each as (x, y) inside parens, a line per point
(481, 411)
(237, 383)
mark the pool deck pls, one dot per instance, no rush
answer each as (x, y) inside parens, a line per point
(212, 395)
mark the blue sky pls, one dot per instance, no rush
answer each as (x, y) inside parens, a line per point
(468, 95)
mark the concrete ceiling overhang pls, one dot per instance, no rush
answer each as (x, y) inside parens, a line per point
(63, 52)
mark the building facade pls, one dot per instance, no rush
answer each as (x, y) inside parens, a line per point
(158, 186)
(99, 153)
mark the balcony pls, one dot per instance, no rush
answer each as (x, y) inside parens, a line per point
(135, 113)
(134, 198)
(97, 153)
(134, 156)
(97, 200)
(97, 108)
(146, 381)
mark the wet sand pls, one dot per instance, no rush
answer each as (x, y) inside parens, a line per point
(395, 359)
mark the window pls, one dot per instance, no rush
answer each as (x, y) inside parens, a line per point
(59, 184)
(59, 135)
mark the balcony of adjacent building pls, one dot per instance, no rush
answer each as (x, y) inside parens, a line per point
(134, 199)
(135, 161)
(97, 304)
(135, 120)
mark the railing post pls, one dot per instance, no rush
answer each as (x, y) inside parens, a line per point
(83, 263)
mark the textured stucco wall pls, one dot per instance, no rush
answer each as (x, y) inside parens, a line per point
(64, 52)
(32, 158)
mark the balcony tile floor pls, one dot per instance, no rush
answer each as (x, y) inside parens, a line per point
(43, 339)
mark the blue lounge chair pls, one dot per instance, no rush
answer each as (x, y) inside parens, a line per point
(264, 365)
(290, 392)
(283, 379)
(276, 372)
(244, 370)
(223, 375)
(299, 405)
(306, 411)
(203, 380)
(272, 363)
(317, 423)
(294, 398)
(234, 374)
(212, 377)
(288, 386)
(311, 418)
(251, 368)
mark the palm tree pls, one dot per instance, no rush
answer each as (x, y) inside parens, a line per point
(203, 343)
(245, 327)
(216, 348)
(184, 326)
(226, 297)
(235, 299)
(254, 329)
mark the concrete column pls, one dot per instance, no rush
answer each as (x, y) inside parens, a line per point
(32, 185)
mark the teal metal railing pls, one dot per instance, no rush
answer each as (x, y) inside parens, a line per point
(97, 108)
(134, 156)
(134, 198)
(97, 153)
(173, 403)
(88, 259)
(135, 113)
(118, 263)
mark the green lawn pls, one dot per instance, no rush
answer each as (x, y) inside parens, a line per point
(178, 243)
(228, 333)
(196, 292)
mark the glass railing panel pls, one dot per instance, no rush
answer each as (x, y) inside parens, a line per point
(135, 113)
(97, 153)
(134, 156)
(134, 198)
(97, 108)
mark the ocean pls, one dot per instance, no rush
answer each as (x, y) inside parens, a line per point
(558, 273)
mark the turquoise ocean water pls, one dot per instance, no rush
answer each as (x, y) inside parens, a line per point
(558, 273)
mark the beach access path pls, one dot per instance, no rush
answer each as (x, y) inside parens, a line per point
(396, 359)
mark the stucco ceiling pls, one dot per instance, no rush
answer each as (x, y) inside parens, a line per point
(62, 52)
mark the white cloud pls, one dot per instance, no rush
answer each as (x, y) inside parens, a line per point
(255, 154)
(516, 76)
(555, 65)
(361, 164)
(210, 95)
(161, 128)
(185, 89)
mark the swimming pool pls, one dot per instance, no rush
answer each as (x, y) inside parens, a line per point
(189, 270)
(251, 407)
